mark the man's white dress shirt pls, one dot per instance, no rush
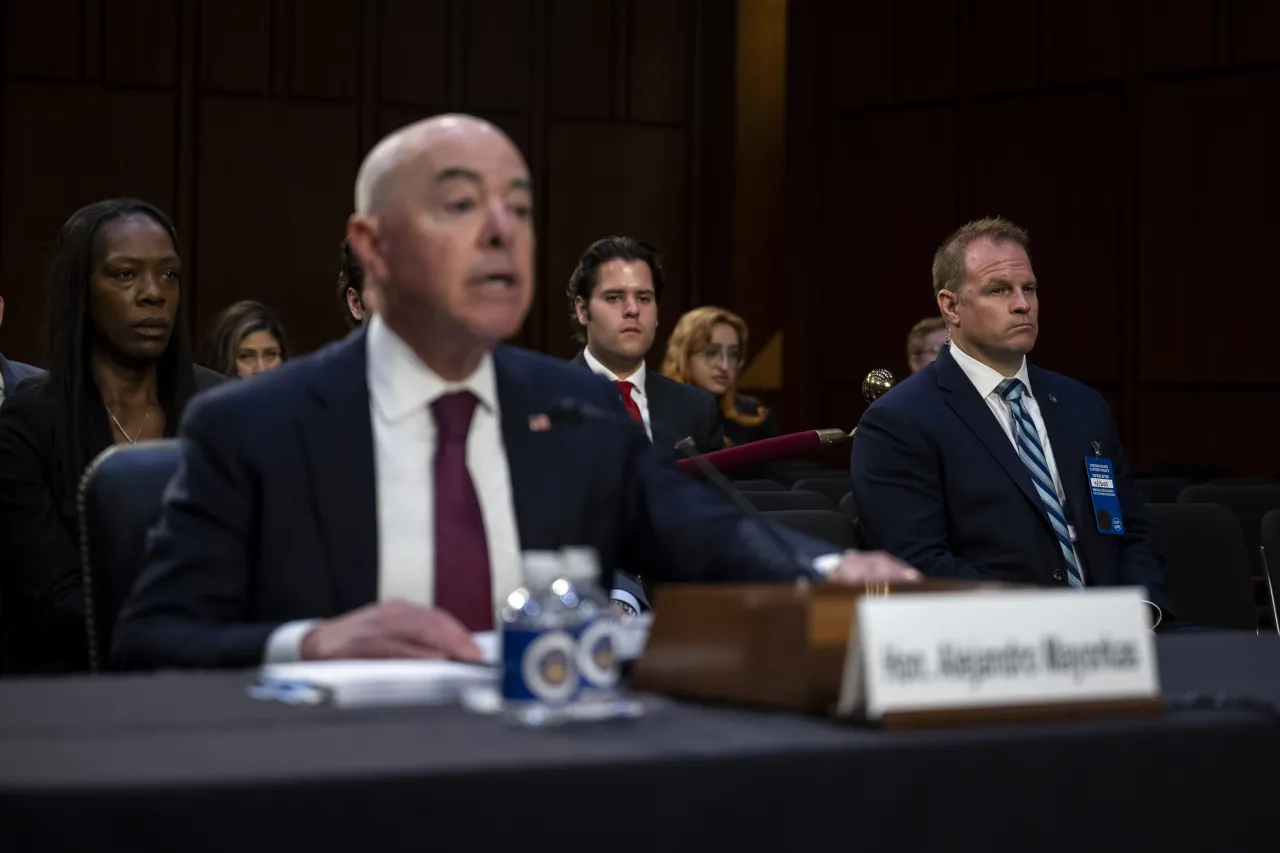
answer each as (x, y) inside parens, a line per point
(637, 379)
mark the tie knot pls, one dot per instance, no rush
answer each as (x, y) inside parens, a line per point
(625, 387)
(1011, 389)
(453, 415)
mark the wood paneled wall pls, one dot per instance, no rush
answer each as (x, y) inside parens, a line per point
(247, 119)
(1137, 140)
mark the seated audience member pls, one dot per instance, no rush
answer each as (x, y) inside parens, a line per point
(708, 348)
(245, 339)
(351, 286)
(975, 467)
(613, 302)
(13, 372)
(925, 341)
(119, 371)
(373, 499)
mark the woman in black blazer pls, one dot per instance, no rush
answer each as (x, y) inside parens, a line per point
(120, 371)
(708, 348)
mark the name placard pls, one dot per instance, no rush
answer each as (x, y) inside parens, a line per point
(935, 652)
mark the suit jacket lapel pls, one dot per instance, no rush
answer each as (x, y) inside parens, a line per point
(1066, 448)
(963, 399)
(532, 467)
(338, 438)
(6, 373)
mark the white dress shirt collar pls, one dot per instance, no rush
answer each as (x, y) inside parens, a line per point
(636, 379)
(400, 384)
(985, 378)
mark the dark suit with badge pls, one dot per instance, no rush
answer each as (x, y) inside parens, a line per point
(939, 484)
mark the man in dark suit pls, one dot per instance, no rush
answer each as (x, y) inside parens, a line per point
(975, 467)
(613, 300)
(13, 372)
(373, 500)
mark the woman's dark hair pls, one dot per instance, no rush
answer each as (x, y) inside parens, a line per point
(70, 330)
(350, 274)
(233, 325)
(586, 274)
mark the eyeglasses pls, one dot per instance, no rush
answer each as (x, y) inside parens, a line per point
(733, 358)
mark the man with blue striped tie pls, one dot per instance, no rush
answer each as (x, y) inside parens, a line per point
(975, 467)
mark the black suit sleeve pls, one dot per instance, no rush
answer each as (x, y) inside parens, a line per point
(41, 564)
(712, 432)
(191, 603)
(897, 486)
(1140, 561)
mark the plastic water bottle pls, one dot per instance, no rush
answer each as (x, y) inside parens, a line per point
(541, 623)
(598, 665)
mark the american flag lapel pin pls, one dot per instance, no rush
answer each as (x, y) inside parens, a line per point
(1052, 399)
(539, 423)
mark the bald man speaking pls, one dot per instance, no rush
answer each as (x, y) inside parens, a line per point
(373, 499)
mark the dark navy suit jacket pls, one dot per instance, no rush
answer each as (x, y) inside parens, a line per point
(14, 372)
(939, 484)
(678, 411)
(272, 514)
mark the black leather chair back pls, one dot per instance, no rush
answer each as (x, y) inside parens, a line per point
(1271, 561)
(1249, 503)
(834, 488)
(848, 508)
(1161, 490)
(774, 501)
(759, 485)
(1207, 572)
(825, 524)
(119, 501)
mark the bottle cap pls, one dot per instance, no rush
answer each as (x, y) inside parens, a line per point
(541, 568)
(581, 564)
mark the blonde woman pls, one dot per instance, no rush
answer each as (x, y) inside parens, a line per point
(708, 349)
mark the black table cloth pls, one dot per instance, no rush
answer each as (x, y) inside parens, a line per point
(189, 762)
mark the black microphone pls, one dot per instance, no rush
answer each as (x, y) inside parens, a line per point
(571, 412)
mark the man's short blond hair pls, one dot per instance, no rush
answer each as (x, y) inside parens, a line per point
(948, 261)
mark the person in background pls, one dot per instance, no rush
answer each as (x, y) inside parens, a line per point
(351, 286)
(925, 341)
(373, 500)
(120, 371)
(708, 348)
(245, 339)
(613, 302)
(13, 372)
(979, 466)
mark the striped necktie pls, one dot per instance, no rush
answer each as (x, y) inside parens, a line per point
(1028, 442)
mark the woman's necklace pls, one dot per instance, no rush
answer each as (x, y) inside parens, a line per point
(120, 426)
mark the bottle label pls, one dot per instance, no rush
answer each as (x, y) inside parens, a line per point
(596, 659)
(539, 665)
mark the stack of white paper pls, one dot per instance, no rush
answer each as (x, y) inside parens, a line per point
(362, 683)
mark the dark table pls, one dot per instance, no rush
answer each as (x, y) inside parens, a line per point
(188, 762)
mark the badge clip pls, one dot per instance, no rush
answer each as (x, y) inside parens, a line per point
(1097, 448)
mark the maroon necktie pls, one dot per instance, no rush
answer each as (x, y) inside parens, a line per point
(463, 586)
(624, 387)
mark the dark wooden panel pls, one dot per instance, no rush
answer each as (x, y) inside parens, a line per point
(1086, 40)
(1234, 430)
(140, 44)
(1175, 36)
(49, 172)
(273, 204)
(660, 40)
(593, 168)
(1004, 49)
(414, 51)
(582, 57)
(326, 48)
(44, 39)
(1052, 164)
(1255, 31)
(235, 46)
(1210, 211)
(856, 39)
(889, 193)
(925, 49)
(499, 69)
